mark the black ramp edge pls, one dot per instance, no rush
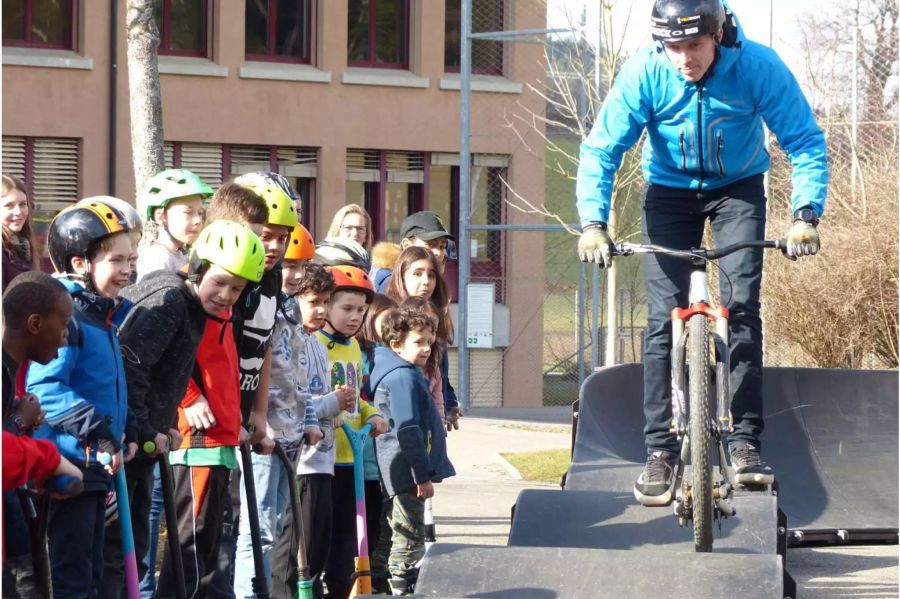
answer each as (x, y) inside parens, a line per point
(831, 436)
(603, 520)
(550, 572)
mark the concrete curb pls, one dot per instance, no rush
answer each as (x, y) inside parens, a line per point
(509, 468)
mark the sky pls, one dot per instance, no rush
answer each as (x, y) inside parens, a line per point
(754, 16)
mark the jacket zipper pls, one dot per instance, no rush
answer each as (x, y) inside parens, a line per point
(700, 135)
(683, 152)
(720, 143)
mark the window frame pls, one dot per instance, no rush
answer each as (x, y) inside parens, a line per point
(69, 43)
(271, 33)
(494, 72)
(490, 270)
(165, 32)
(309, 184)
(375, 192)
(372, 62)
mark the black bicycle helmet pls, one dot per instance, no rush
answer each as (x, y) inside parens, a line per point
(679, 20)
(76, 231)
(342, 252)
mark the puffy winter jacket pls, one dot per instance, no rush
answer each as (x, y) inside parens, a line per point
(703, 135)
(83, 390)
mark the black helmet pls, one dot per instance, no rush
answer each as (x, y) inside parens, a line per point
(76, 230)
(678, 20)
(338, 251)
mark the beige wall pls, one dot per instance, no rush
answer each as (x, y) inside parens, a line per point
(48, 102)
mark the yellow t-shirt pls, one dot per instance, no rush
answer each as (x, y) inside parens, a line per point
(345, 368)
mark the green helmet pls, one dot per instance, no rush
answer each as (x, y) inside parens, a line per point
(233, 247)
(168, 185)
(281, 206)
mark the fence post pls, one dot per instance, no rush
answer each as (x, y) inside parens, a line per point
(465, 189)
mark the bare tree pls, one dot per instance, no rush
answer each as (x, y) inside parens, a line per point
(578, 76)
(142, 36)
(839, 309)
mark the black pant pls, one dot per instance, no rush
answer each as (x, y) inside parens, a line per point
(75, 539)
(18, 573)
(222, 585)
(200, 496)
(316, 514)
(340, 566)
(676, 218)
(139, 477)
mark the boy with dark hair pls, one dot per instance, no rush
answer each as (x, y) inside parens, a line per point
(83, 389)
(236, 203)
(291, 418)
(253, 322)
(36, 313)
(413, 454)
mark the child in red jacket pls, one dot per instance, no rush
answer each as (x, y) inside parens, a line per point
(209, 417)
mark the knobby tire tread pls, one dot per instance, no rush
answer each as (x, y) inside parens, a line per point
(700, 438)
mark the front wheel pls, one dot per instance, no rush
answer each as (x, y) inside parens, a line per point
(700, 437)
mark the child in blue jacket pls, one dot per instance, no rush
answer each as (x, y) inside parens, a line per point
(413, 454)
(83, 389)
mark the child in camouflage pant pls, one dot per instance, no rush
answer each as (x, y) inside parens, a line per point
(413, 454)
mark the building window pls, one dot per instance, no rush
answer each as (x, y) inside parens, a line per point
(378, 34)
(39, 23)
(390, 185)
(487, 56)
(182, 27)
(278, 30)
(216, 163)
(49, 167)
(486, 248)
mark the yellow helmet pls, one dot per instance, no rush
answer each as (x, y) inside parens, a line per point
(281, 206)
(232, 247)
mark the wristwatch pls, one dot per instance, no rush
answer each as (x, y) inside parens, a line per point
(807, 215)
(594, 225)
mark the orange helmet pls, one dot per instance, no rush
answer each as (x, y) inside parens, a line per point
(350, 278)
(301, 245)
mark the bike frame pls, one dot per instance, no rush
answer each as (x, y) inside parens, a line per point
(698, 303)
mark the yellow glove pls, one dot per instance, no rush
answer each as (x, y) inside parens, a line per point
(595, 245)
(802, 240)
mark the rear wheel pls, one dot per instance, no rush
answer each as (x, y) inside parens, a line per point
(700, 437)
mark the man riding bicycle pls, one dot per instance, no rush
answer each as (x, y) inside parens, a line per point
(702, 92)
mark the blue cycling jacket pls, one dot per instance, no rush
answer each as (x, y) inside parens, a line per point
(703, 136)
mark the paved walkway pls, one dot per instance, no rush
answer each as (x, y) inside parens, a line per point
(474, 507)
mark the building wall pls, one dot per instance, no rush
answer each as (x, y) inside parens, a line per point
(333, 116)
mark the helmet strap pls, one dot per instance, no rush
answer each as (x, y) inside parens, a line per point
(84, 278)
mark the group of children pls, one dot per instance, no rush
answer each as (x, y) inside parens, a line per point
(231, 336)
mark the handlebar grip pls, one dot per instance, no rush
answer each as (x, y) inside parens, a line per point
(64, 485)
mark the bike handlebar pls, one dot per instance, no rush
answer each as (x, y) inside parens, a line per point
(627, 249)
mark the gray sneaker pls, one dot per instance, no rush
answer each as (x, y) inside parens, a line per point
(654, 485)
(749, 469)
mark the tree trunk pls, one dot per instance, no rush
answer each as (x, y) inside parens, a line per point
(142, 41)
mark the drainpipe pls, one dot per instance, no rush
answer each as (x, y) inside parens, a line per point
(113, 88)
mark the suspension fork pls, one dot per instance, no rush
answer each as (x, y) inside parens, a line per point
(679, 403)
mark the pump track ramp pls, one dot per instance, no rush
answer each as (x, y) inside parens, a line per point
(831, 437)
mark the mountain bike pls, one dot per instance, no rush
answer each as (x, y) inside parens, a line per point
(702, 356)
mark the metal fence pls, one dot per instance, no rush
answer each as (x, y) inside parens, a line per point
(516, 231)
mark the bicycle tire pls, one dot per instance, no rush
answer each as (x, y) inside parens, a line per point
(700, 437)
